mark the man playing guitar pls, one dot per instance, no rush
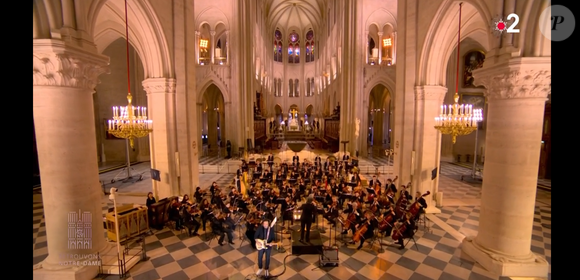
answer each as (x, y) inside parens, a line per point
(264, 237)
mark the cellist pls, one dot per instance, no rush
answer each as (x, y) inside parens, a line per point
(404, 229)
(365, 229)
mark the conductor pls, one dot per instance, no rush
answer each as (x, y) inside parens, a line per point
(306, 218)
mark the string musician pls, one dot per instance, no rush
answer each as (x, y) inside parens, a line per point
(386, 221)
(404, 228)
(206, 209)
(253, 220)
(288, 210)
(354, 211)
(219, 227)
(332, 212)
(190, 212)
(365, 229)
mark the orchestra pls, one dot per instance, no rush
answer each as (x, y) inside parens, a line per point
(278, 190)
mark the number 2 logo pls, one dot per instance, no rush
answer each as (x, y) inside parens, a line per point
(512, 28)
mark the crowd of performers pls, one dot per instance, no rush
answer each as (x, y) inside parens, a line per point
(278, 190)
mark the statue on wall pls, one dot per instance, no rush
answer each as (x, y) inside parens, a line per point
(357, 128)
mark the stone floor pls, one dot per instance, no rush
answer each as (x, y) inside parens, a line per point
(437, 254)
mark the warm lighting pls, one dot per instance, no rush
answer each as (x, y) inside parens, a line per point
(458, 119)
(129, 122)
(203, 43)
(387, 42)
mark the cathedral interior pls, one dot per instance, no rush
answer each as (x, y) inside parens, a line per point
(166, 96)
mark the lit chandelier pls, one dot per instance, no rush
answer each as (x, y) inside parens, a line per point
(129, 122)
(458, 119)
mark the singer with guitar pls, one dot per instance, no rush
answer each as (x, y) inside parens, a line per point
(264, 237)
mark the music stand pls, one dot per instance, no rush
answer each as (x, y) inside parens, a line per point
(320, 199)
(279, 248)
(371, 191)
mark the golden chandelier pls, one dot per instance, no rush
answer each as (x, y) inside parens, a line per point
(458, 119)
(129, 122)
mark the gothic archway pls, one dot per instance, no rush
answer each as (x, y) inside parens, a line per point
(213, 121)
(379, 119)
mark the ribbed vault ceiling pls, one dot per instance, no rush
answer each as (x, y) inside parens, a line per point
(294, 13)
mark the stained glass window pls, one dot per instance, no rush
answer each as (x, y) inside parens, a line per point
(310, 46)
(278, 46)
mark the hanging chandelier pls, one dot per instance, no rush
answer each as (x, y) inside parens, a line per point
(129, 122)
(458, 119)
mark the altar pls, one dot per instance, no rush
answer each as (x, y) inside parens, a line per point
(293, 125)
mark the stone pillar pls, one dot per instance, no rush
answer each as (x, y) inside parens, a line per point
(196, 47)
(227, 48)
(380, 46)
(394, 55)
(428, 100)
(64, 79)
(212, 45)
(367, 47)
(160, 95)
(516, 93)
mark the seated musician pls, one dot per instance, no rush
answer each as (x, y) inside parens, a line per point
(189, 221)
(218, 228)
(259, 168)
(375, 181)
(353, 209)
(389, 215)
(185, 200)
(233, 195)
(371, 223)
(422, 204)
(214, 188)
(150, 201)
(345, 157)
(198, 194)
(375, 207)
(175, 213)
(253, 220)
(270, 160)
(205, 208)
(218, 200)
(318, 173)
(405, 192)
(408, 231)
(288, 210)
(332, 212)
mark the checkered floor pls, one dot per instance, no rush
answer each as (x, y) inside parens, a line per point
(438, 255)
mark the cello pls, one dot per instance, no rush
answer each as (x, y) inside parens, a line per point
(416, 206)
(362, 230)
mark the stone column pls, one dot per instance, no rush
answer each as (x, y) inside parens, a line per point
(160, 95)
(516, 93)
(64, 79)
(394, 55)
(428, 100)
(196, 47)
(367, 47)
(380, 46)
(227, 48)
(212, 45)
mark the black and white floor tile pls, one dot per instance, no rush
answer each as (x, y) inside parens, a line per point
(437, 255)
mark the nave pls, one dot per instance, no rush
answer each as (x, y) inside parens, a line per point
(174, 255)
